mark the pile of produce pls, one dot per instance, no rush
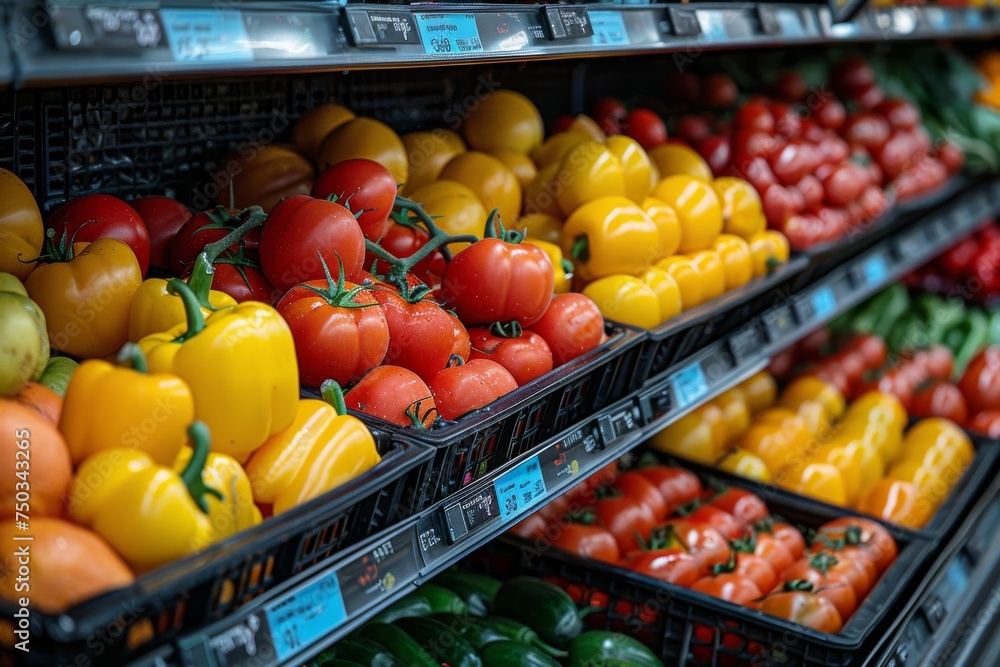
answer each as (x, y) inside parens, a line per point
(810, 441)
(464, 619)
(968, 270)
(659, 521)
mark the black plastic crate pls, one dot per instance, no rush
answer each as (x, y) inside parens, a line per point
(680, 336)
(483, 440)
(120, 625)
(689, 628)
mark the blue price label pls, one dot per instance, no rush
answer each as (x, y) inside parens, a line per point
(609, 28)
(306, 615)
(689, 385)
(207, 35)
(449, 34)
(520, 489)
(790, 22)
(823, 302)
(875, 270)
(713, 26)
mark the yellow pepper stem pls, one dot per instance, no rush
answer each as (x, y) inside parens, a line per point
(191, 476)
(131, 354)
(334, 395)
(192, 308)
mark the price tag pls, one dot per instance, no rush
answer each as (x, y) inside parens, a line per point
(374, 574)
(791, 23)
(569, 22)
(713, 26)
(390, 27)
(689, 385)
(449, 34)
(306, 615)
(520, 489)
(609, 29)
(207, 35)
(875, 271)
(824, 304)
(470, 512)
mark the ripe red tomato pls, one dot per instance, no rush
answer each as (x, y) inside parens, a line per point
(715, 150)
(365, 188)
(789, 87)
(673, 565)
(492, 280)
(850, 74)
(705, 543)
(525, 356)
(939, 399)
(874, 203)
(730, 526)
(676, 485)
(754, 115)
(901, 114)
(781, 203)
(164, 217)
(463, 388)
(844, 184)
(719, 91)
(796, 602)
(394, 394)
(728, 586)
(756, 569)
(830, 113)
(805, 230)
(951, 156)
(692, 129)
(787, 121)
(589, 541)
(646, 127)
(869, 537)
(626, 519)
(205, 228)
(873, 350)
(242, 281)
(300, 227)
(562, 123)
(637, 487)
(787, 534)
(610, 113)
(986, 422)
(92, 217)
(757, 172)
(832, 587)
(812, 192)
(402, 241)
(748, 144)
(981, 382)
(684, 88)
(572, 325)
(768, 547)
(859, 574)
(867, 129)
(747, 507)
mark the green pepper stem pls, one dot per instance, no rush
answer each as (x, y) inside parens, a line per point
(252, 217)
(133, 356)
(580, 249)
(191, 475)
(334, 395)
(200, 280)
(192, 309)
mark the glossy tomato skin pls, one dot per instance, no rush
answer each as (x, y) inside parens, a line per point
(366, 188)
(756, 569)
(830, 113)
(495, 281)
(470, 386)
(832, 587)
(395, 394)
(730, 526)
(589, 541)
(790, 537)
(767, 547)
(332, 341)
(402, 241)
(572, 325)
(981, 382)
(871, 538)
(728, 586)
(641, 490)
(747, 507)
(626, 519)
(646, 127)
(706, 544)
(986, 422)
(164, 217)
(92, 217)
(693, 129)
(677, 486)
(804, 608)
(939, 399)
(526, 357)
(243, 283)
(754, 116)
(610, 113)
(203, 229)
(673, 565)
(301, 227)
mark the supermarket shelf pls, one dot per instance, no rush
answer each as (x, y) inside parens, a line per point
(149, 39)
(299, 619)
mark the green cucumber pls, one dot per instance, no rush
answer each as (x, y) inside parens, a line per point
(426, 600)
(514, 654)
(442, 643)
(543, 607)
(476, 590)
(400, 644)
(599, 648)
(365, 652)
(471, 629)
(521, 633)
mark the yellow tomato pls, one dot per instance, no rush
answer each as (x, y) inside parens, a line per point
(745, 464)
(735, 413)
(427, 153)
(542, 227)
(686, 276)
(495, 185)
(809, 388)
(636, 166)
(555, 148)
(713, 276)
(760, 390)
(540, 195)
(520, 164)
(742, 211)
(314, 126)
(504, 119)
(666, 289)
(588, 171)
(737, 264)
(667, 222)
(455, 208)
(675, 159)
(697, 208)
(365, 138)
(769, 250)
(625, 299)
(699, 435)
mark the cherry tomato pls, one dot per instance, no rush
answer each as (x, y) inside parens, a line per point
(716, 151)
(728, 586)
(789, 87)
(939, 399)
(729, 525)
(757, 569)
(830, 113)
(742, 504)
(164, 217)
(869, 536)
(677, 486)
(673, 565)
(702, 541)
(646, 127)
(787, 121)
(365, 188)
(92, 217)
(394, 394)
(796, 602)
(693, 129)
(591, 541)
(866, 129)
(610, 113)
(754, 116)
(986, 422)
(719, 91)
(460, 389)
(526, 356)
(641, 490)
(626, 519)
(571, 325)
(981, 382)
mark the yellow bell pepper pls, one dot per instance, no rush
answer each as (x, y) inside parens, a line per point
(587, 172)
(666, 221)
(322, 449)
(745, 464)
(235, 511)
(708, 264)
(697, 207)
(107, 406)
(742, 210)
(769, 250)
(155, 310)
(625, 299)
(541, 227)
(636, 166)
(240, 364)
(611, 235)
(149, 513)
(859, 463)
(674, 159)
(687, 277)
(737, 262)
(562, 267)
(667, 291)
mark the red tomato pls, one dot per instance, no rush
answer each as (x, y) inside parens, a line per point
(460, 389)
(589, 541)
(715, 150)
(781, 204)
(572, 325)
(626, 519)
(242, 281)
(874, 203)
(730, 526)
(870, 537)
(365, 188)
(959, 257)
(939, 399)
(164, 217)
(206, 228)
(402, 241)
(394, 394)
(901, 114)
(830, 113)
(299, 228)
(787, 121)
(702, 541)
(756, 569)
(495, 281)
(813, 344)
(728, 586)
(951, 156)
(754, 116)
(673, 565)
(641, 490)
(766, 547)
(897, 154)
(563, 123)
(986, 422)
(799, 604)
(832, 587)
(693, 129)
(782, 363)
(859, 574)
(609, 112)
(812, 192)
(526, 356)
(684, 88)
(748, 144)
(719, 91)
(742, 504)
(873, 350)
(866, 129)
(677, 486)
(92, 217)
(646, 127)
(789, 87)
(787, 534)
(834, 376)
(850, 74)
(793, 162)
(832, 150)
(851, 363)
(757, 172)
(981, 382)
(868, 97)
(340, 332)
(804, 230)
(844, 184)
